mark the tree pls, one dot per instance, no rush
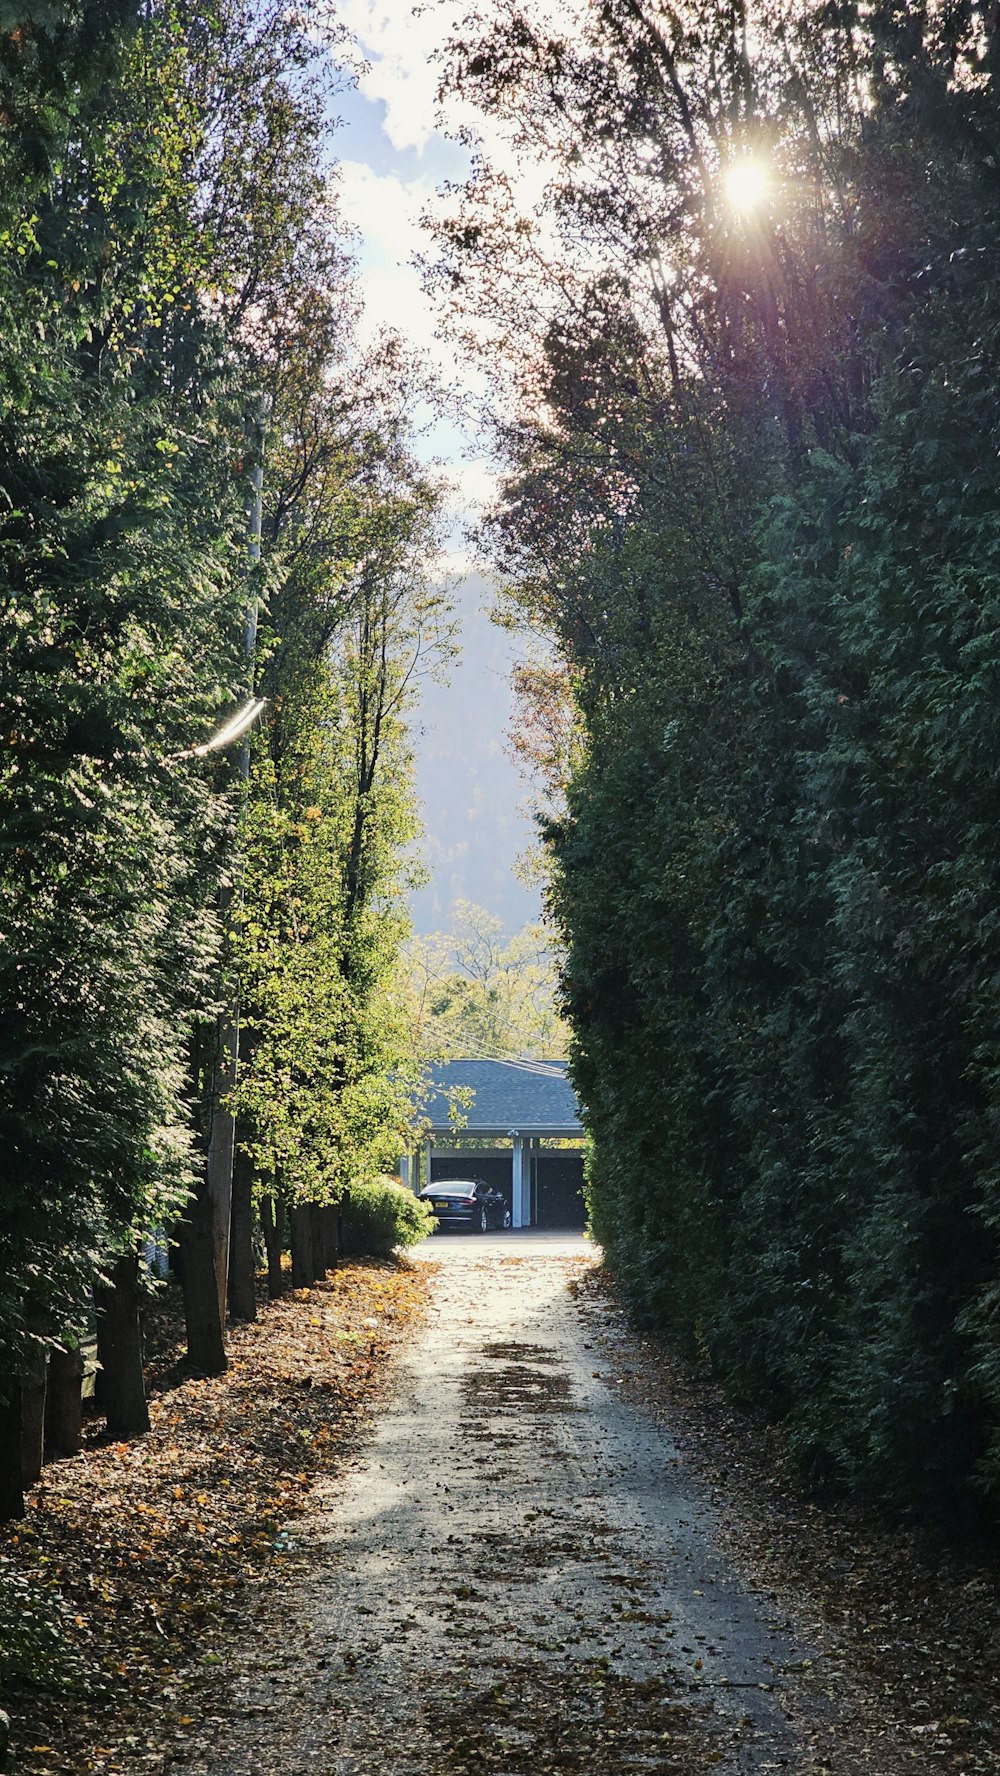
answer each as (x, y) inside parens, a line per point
(478, 992)
(326, 1077)
(746, 500)
(116, 647)
(169, 251)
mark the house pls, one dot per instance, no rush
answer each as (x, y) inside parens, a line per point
(489, 1119)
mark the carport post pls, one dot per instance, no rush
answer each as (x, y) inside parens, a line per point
(518, 1206)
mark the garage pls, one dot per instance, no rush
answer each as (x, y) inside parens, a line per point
(517, 1125)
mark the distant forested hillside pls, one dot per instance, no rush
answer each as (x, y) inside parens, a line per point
(472, 794)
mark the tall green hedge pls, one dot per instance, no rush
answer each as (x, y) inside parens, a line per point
(753, 499)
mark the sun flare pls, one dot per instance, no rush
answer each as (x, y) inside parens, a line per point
(747, 184)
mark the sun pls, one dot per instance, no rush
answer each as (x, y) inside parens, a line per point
(747, 184)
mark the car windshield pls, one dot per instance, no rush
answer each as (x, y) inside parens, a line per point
(450, 1189)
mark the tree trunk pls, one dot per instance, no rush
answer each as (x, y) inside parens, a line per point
(64, 1404)
(318, 1245)
(33, 1415)
(11, 1485)
(205, 1342)
(330, 1235)
(221, 1142)
(272, 1218)
(242, 1268)
(300, 1228)
(122, 1390)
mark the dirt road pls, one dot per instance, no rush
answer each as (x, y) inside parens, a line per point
(517, 1577)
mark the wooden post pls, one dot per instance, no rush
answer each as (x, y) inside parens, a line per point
(119, 1349)
(64, 1403)
(300, 1228)
(242, 1268)
(222, 1137)
(11, 1484)
(206, 1347)
(318, 1251)
(330, 1229)
(33, 1376)
(272, 1217)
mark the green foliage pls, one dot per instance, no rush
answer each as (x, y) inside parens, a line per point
(118, 644)
(327, 1073)
(758, 517)
(380, 1215)
(35, 1645)
(168, 252)
(476, 991)
(324, 1027)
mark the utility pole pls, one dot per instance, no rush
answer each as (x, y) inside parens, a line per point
(255, 515)
(222, 1139)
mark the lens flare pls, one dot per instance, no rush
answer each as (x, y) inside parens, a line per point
(747, 184)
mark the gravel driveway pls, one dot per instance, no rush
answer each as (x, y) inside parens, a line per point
(517, 1576)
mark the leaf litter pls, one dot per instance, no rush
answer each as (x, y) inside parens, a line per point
(908, 1616)
(154, 1548)
(160, 1547)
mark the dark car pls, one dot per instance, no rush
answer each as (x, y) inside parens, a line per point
(467, 1202)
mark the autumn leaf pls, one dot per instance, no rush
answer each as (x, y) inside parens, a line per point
(148, 1585)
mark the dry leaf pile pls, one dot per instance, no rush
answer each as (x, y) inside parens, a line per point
(149, 1547)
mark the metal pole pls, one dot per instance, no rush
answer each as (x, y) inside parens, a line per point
(222, 1140)
(256, 514)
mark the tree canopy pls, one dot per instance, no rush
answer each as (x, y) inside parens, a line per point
(174, 281)
(737, 280)
(476, 990)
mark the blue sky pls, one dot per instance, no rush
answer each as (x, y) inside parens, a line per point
(367, 138)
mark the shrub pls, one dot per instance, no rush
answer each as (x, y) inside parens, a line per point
(380, 1215)
(34, 1647)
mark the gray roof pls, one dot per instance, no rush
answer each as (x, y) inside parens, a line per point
(511, 1097)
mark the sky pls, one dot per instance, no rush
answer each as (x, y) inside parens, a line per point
(392, 159)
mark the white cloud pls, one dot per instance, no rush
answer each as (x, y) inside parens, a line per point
(475, 484)
(398, 44)
(385, 211)
(453, 564)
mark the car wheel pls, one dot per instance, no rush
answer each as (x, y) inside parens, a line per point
(507, 1217)
(484, 1221)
